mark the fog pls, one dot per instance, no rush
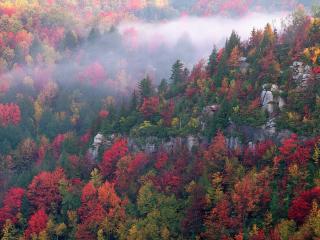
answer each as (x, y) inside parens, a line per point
(136, 49)
(202, 32)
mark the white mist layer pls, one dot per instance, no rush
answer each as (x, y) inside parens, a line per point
(203, 32)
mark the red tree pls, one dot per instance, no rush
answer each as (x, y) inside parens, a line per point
(162, 159)
(301, 205)
(9, 114)
(94, 74)
(112, 155)
(56, 144)
(98, 204)
(294, 151)
(217, 151)
(43, 192)
(150, 106)
(167, 112)
(11, 205)
(36, 224)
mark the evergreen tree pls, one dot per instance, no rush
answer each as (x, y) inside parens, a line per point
(177, 73)
(231, 43)
(163, 87)
(212, 63)
(70, 40)
(94, 34)
(134, 101)
(145, 88)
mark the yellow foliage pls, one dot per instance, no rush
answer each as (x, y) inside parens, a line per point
(293, 116)
(286, 228)
(294, 170)
(60, 229)
(312, 53)
(28, 81)
(161, 3)
(38, 111)
(193, 123)
(175, 122)
(165, 233)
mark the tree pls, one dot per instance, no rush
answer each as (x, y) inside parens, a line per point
(145, 88)
(27, 154)
(9, 114)
(231, 43)
(150, 106)
(11, 205)
(193, 222)
(212, 62)
(177, 73)
(43, 192)
(111, 156)
(9, 232)
(36, 224)
(159, 215)
(163, 87)
(217, 151)
(101, 208)
(70, 40)
(301, 205)
(293, 151)
(233, 60)
(94, 34)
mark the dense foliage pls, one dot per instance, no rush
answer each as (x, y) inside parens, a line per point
(201, 155)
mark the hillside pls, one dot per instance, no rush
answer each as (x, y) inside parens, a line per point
(96, 144)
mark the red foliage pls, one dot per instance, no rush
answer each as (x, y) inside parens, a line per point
(85, 138)
(170, 181)
(294, 151)
(194, 217)
(301, 205)
(9, 114)
(190, 91)
(97, 204)
(112, 155)
(128, 170)
(11, 205)
(254, 155)
(198, 72)
(134, 4)
(74, 160)
(217, 151)
(93, 73)
(8, 11)
(220, 54)
(43, 192)
(52, 35)
(162, 159)
(254, 105)
(219, 219)
(167, 113)
(138, 162)
(4, 85)
(239, 7)
(316, 70)
(57, 143)
(88, 192)
(36, 224)
(103, 114)
(149, 106)
(250, 194)
(260, 235)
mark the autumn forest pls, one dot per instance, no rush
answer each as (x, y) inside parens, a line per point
(117, 124)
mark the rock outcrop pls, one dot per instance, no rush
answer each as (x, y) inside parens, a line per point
(301, 74)
(271, 98)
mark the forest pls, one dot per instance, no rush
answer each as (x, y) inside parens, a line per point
(102, 137)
